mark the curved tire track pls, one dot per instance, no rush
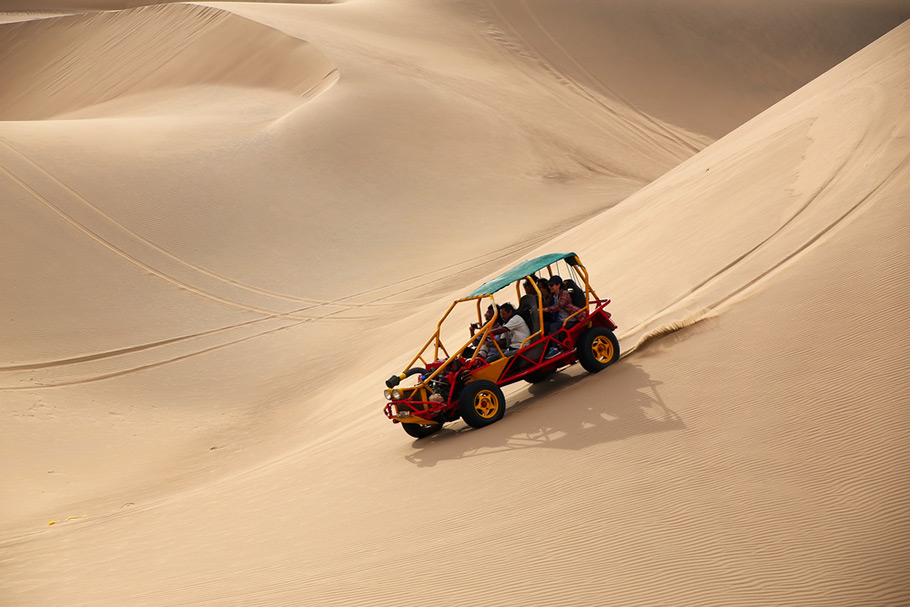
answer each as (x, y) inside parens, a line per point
(656, 133)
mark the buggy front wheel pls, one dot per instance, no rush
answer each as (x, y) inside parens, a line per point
(481, 403)
(421, 430)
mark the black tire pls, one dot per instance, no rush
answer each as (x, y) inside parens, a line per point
(421, 431)
(481, 403)
(538, 376)
(597, 349)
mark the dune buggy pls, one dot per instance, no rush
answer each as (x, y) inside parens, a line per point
(463, 384)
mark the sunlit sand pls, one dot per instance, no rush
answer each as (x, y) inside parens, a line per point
(225, 225)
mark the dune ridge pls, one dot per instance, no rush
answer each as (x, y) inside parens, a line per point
(92, 58)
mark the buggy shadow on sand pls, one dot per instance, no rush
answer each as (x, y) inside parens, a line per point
(463, 384)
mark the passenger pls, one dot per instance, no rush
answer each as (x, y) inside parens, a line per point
(562, 307)
(546, 300)
(527, 307)
(515, 329)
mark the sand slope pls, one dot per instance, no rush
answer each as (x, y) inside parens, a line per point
(206, 280)
(711, 65)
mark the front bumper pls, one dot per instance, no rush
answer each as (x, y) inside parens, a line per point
(405, 412)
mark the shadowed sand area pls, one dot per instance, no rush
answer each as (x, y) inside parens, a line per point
(224, 226)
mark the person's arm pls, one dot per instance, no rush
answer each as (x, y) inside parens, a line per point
(558, 302)
(555, 306)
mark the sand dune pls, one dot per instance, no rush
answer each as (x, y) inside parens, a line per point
(60, 66)
(225, 225)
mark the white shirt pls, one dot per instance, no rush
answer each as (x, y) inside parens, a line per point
(518, 331)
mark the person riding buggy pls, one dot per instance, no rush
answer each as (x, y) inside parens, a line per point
(546, 332)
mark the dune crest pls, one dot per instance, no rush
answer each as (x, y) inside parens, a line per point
(62, 65)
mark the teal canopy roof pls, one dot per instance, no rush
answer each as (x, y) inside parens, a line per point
(523, 269)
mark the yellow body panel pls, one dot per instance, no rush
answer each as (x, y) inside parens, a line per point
(492, 372)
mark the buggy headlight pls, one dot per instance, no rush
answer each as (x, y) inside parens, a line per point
(396, 394)
(387, 394)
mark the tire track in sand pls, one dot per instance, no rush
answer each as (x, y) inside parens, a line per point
(824, 189)
(124, 254)
(268, 315)
(653, 132)
(444, 272)
(657, 127)
(158, 249)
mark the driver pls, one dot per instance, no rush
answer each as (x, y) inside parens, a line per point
(487, 345)
(515, 329)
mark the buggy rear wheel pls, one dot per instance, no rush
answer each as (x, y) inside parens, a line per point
(481, 403)
(597, 349)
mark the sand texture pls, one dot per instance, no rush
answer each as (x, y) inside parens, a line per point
(224, 225)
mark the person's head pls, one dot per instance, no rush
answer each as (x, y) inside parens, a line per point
(491, 310)
(506, 310)
(543, 285)
(555, 284)
(529, 287)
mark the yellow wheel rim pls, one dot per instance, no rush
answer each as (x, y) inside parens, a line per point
(602, 349)
(486, 404)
